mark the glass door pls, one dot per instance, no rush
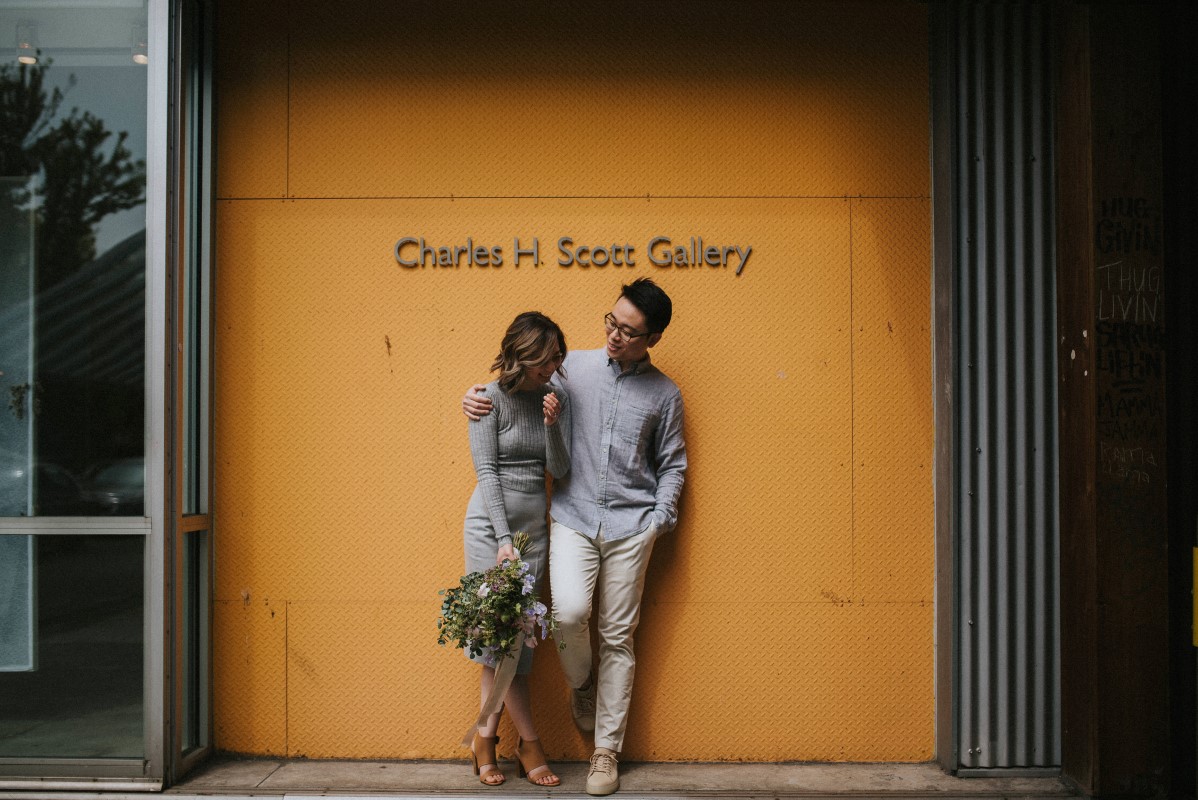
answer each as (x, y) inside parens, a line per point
(83, 445)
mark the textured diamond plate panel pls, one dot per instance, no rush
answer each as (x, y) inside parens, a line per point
(360, 688)
(251, 74)
(892, 373)
(365, 684)
(340, 433)
(250, 675)
(419, 699)
(343, 470)
(821, 682)
(752, 98)
(343, 455)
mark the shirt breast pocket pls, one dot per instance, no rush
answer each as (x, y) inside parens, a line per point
(636, 426)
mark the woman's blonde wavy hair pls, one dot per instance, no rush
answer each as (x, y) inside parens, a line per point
(531, 340)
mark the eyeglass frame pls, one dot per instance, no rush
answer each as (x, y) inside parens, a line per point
(609, 322)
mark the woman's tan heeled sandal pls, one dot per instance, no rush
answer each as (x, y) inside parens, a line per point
(486, 765)
(531, 760)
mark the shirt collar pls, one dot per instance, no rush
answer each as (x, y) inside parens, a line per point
(637, 367)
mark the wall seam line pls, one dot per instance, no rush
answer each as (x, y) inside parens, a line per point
(852, 422)
(455, 197)
(287, 679)
(287, 146)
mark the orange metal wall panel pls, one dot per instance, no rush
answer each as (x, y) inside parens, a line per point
(251, 127)
(798, 585)
(892, 465)
(380, 697)
(249, 674)
(756, 98)
(787, 696)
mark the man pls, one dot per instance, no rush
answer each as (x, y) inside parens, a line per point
(628, 460)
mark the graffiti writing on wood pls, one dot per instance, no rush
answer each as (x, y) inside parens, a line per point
(1132, 464)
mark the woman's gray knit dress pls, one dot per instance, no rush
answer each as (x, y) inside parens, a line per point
(511, 448)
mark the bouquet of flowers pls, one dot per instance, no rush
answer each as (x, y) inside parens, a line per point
(487, 611)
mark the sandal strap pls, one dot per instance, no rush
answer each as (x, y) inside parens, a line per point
(542, 771)
(484, 748)
(532, 755)
(532, 758)
(486, 760)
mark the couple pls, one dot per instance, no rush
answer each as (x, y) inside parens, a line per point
(608, 426)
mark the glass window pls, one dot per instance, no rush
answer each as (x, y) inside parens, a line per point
(82, 695)
(72, 258)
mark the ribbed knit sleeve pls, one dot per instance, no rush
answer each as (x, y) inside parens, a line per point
(557, 439)
(484, 451)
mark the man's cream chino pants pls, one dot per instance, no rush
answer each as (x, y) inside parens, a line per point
(577, 564)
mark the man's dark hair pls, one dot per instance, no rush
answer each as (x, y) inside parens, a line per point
(652, 301)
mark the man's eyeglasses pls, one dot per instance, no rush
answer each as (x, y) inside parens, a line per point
(626, 334)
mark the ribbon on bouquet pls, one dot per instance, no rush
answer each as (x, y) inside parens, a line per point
(505, 671)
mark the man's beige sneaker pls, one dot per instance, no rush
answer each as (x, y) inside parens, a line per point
(582, 706)
(604, 777)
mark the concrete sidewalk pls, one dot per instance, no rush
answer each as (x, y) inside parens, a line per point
(232, 778)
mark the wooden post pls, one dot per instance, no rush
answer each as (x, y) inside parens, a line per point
(1111, 284)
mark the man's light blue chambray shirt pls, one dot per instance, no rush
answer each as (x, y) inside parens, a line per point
(627, 455)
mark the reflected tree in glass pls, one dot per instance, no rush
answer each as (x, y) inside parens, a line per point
(76, 406)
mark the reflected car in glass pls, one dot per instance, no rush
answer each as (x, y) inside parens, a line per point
(117, 488)
(56, 491)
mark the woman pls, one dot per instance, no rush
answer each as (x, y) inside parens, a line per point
(511, 448)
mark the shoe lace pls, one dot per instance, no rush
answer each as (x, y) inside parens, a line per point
(603, 762)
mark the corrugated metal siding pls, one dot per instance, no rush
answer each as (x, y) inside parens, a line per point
(1008, 665)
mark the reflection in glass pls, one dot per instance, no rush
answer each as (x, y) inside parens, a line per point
(194, 655)
(16, 348)
(27, 50)
(72, 263)
(83, 699)
(18, 636)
